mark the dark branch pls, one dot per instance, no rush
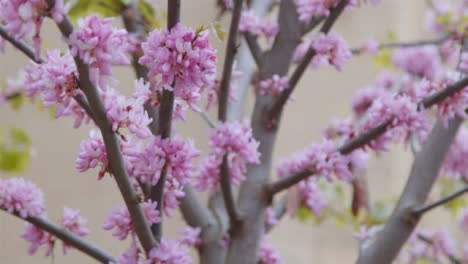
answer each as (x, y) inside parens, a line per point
(429, 241)
(277, 108)
(70, 238)
(227, 192)
(254, 48)
(367, 137)
(406, 44)
(423, 209)
(231, 51)
(20, 45)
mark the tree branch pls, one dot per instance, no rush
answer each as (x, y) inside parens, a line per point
(423, 209)
(277, 108)
(227, 192)
(111, 142)
(429, 241)
(231, 51)
(254, 48)
(70, 238)
(406, 44)
(365, 138)
(165, 119)
(20, 45)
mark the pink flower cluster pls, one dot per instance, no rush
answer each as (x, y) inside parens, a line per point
(274, 85)
(129, 113)
(169, 251)
(54, 82)
(20, 17)
(182, 60)
(71, 221)
(455, 165)
(270, 217)
(443, 245)
(174, 154)
(75, 223)
(463, 218)
(100, 45)
(190, 236)
(267, 254)
(464, 62)
(257, 26)
(312, 196)
(235, 140)
(119, 219)
(92, 153)
(312, 8)
(330, 49)
(130, 256)
(22, 197)
(421, 61)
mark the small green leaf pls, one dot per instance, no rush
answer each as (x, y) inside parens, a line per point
(384, 59)
(17, 101)
(19, 138)
(220, 33)
(13, 161)
(149, 15)
(106, 8)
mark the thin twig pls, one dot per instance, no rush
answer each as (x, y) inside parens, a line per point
(20, 45)
(207, 118)
(112, 144)
(70, 238)
(254, 48)
(429, 241)
(406, 44)
(367, 137)
(278, 105)
(227, 191)
(423, 209)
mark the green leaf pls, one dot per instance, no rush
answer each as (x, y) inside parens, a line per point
(149, 15)
(384, 59)
(106, 8)
(379, 213)
(17, 101)
(13, 161)
(19, 138)
(220, 32)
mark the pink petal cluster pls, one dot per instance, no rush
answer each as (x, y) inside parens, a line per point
(312, 196)
(169, 251)
(423, 61)
(92, 153)
(100, 45)
(181, 60)
(174, 154)
(190, 236)
(463, 218)
(21, 17)
(75, 223)
(267, 254)
(330, 49)
(274, 85)
(371, 47)
(126, 113)
(455, 165)
(211, 94)
(38, 238)
(257, 26)
(464, 62)
(173, 192)
(130, 256)
(311, 8)
(443, 245)
(55, 83)
(21, 197)
(119, 219)
(235, 140)
(270, 217)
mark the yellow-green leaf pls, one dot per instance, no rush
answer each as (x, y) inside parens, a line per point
(384, 59)
(17, 101)
(220, 33)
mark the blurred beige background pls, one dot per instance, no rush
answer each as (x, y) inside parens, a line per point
(322, 95)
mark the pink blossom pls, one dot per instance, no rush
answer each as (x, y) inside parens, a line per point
(267, 254)
(120, 220)
(173, 192)
(371, 47)
(23, 16)
(75, 223)
(235, 140)
(182, 60)
(130, 256)
(21, 197)
(257, 26)
(38, 238)
(142, 92)
(311, 8)
(270, 217)
(169, 251)
(92, 153)
(123, 112)
(312, 196)
(211, 94)
(421, 61)
(464, 62)
(190, 236)
(365, 234)
(463, 218)
(274, 85)
(455, 165)
(175, 154)
(100, 45)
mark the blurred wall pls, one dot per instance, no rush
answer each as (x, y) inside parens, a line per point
(321, 95)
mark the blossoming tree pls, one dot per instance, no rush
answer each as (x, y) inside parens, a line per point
(421, 104)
